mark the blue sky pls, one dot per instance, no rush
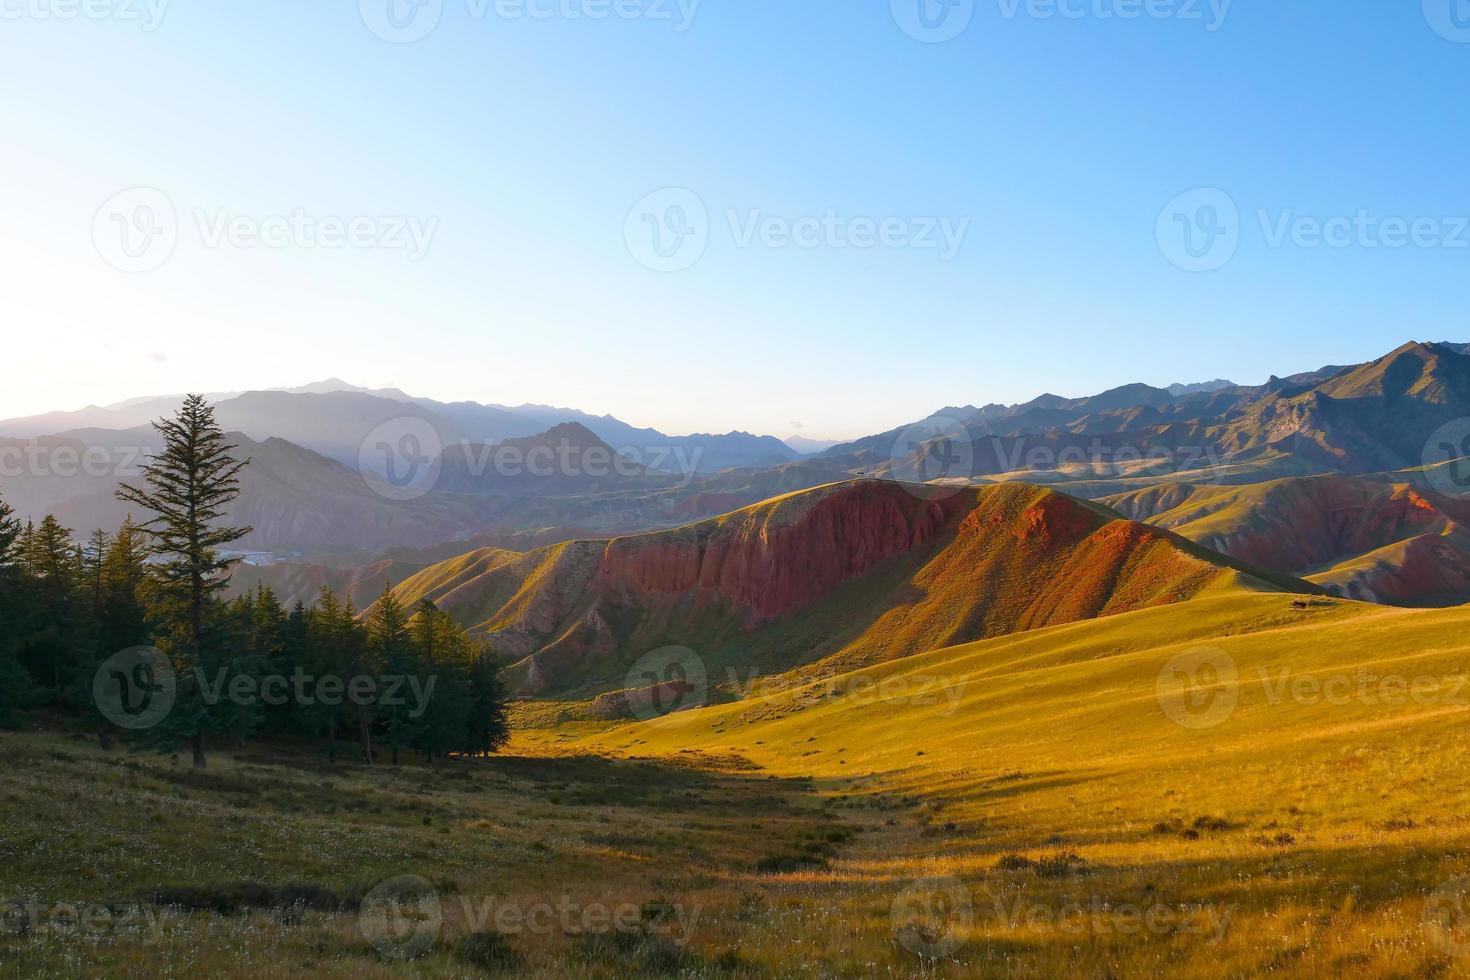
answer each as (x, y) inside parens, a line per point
(1049, 143)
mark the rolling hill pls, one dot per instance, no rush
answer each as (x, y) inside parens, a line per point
(1293, 789)
(851, 573)
(1368, 538)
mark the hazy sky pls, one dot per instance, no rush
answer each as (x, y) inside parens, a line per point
(872, 222)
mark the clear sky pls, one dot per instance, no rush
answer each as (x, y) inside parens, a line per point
(522, 139)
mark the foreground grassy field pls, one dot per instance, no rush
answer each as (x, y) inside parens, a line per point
(1235, 786)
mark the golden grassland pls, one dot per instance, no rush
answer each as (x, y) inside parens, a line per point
(1239, 785)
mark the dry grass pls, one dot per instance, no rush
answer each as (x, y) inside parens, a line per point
(1052, 820)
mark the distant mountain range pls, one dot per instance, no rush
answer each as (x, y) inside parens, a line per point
(312, 490)
(1357, 419)
(335, 418)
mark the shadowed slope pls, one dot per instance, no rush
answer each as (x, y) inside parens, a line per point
(1367, 538)
(859, 572)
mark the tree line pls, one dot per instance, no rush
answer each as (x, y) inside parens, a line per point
(111, 632)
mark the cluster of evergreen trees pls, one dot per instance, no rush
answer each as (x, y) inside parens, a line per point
(399, 680)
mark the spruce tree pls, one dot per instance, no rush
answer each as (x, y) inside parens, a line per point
(489, 728)
(55, 649)
(17, 691)
(393, 649)
(10, 532)
(116, 581)
(187, 487)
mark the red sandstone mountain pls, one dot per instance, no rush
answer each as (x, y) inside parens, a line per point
(1366, 538)
(860, 572)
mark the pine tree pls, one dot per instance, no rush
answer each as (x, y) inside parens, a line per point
(17, 690)
(489, 728)
(10, 532)
(188, 486)
(93, 559)
(445, 659)
(55, 650)
(393, 648)
(295, 656)
(329, 654)
(115, 576)
(123, 619)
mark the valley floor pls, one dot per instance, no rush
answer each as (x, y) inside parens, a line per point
(1234, 786)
